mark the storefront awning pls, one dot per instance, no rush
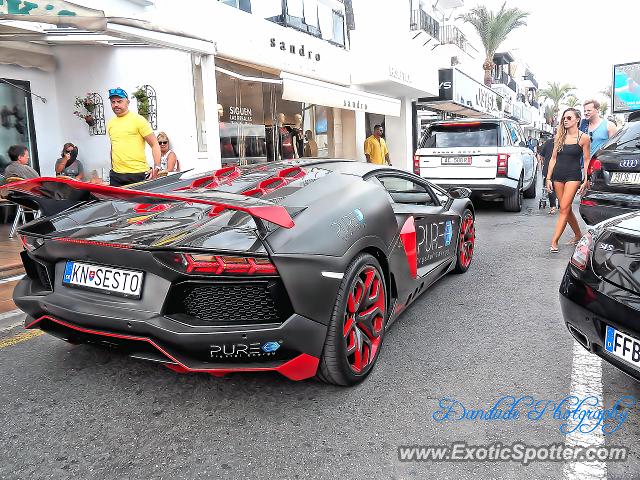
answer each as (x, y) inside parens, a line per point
(302, 89)
(58, 22)
(462, 95)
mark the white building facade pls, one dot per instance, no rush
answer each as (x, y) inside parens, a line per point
(233, 81)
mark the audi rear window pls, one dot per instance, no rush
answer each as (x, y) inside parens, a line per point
(476, 135)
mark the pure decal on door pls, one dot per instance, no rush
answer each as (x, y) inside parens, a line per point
(436, 239)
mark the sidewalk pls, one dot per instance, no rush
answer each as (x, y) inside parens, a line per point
(10, 266)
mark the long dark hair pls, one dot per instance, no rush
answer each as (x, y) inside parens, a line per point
(561, 134)
(64, 149)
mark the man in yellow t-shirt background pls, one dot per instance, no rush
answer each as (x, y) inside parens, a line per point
(375, 148)
(128, 132)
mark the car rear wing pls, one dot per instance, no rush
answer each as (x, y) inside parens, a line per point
(73, 190)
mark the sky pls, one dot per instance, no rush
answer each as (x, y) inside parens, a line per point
(570, 41)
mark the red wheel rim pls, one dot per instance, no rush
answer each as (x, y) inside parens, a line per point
(363, 325)
(467, 240)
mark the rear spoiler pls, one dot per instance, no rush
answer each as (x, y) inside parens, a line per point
(69, 189)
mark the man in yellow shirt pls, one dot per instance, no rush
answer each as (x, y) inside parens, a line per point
(375, 148)
(128, 132)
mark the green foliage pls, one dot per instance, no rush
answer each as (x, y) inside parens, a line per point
(572, 101)
(142, 100)
(604, 107)
(84, 108)
(556, 94)
(493, 29)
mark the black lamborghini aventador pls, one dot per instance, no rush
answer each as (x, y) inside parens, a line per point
(297, 268)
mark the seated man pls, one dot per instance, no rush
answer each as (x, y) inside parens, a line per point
(19, 166)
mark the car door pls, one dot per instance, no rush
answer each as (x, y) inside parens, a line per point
(528, 157)
(522, 159)
(418, 208)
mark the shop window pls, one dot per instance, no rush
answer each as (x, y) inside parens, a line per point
(16, 120)
(258, 125)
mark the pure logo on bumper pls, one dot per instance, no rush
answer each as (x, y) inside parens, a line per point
(244, 350)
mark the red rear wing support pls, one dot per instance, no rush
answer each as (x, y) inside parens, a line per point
(48, 187)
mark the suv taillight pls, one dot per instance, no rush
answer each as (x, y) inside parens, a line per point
(416, 164)
(581, 254)
(503, 164)
(594, 166)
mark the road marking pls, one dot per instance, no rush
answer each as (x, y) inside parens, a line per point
(19, 338)
(10, 314)
(586, 380)
(11, 279)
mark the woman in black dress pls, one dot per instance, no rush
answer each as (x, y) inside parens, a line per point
(567, 174)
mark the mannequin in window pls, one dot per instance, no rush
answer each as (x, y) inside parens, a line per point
(287, 149)
(298, 135)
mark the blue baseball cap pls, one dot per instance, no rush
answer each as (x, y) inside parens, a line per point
(118, 92)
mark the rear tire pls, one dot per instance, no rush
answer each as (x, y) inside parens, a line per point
(531, 191)
(466, 242)
(513, 203)
(356, 330)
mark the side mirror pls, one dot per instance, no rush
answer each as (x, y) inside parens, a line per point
(458, 193)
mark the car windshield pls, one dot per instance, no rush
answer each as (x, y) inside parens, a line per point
(464, 135)
(627, 139)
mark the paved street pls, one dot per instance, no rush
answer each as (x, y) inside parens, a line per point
(80, 412)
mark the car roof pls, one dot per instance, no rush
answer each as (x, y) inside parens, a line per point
(463, 121)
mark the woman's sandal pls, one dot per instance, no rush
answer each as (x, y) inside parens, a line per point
(553, 249)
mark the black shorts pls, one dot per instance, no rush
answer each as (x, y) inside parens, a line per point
(122, 179)
(569, 176)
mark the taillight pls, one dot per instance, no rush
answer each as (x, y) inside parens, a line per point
(503, 164)
(580, 257)
(30, 243)
(588, 203)
(416, 164)
(222, 264)
(594, 166)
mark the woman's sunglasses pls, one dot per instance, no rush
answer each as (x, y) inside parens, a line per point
(68, 151)
(568, 118)
(163, 143)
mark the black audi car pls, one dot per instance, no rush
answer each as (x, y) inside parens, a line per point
(600, 292)
(614, 172)
(297, 268)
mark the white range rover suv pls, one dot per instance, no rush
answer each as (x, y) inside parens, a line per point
(488, 156)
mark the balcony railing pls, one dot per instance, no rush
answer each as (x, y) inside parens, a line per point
(451, 34)
(505, 79)
(421, 20)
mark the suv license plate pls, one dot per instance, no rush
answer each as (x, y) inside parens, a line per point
(110, 280)
(456, 160)
(625, 177)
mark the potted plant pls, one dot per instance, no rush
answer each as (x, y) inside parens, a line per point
(85, 107)
(144, 108)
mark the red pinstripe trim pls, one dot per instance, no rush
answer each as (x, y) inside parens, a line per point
(299, 368)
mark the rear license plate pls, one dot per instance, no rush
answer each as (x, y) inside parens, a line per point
(110, 280)
(456, 160)
(622, 346)
(625, 177)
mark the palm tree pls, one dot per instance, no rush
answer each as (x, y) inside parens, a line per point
(493, 29)
(604, 106)
(548, 114)
(557, 94)
(606, 92)
(572, 101)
